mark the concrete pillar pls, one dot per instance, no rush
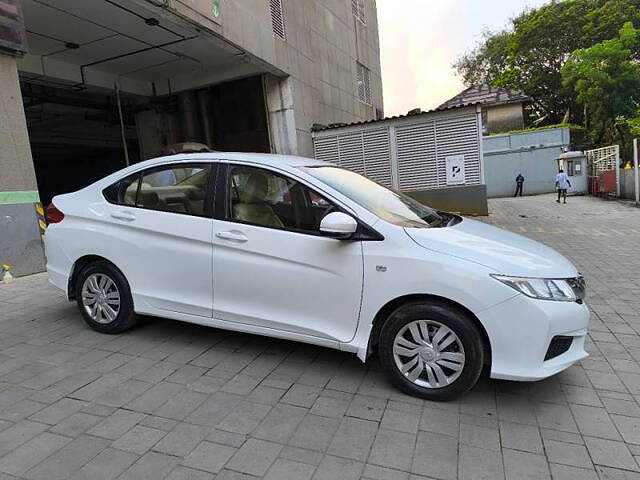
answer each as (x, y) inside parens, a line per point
(16, 163)
(206, 120)
(156, 130)
(281, 115)
(20, 241)
(187, 106)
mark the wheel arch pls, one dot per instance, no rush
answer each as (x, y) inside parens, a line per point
(384, 313)
(77, 267)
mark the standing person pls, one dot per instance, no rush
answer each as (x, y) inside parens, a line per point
(562, 183)
(519, 182)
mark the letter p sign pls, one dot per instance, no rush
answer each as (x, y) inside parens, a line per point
(455, 170)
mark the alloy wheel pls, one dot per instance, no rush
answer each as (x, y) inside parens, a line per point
(101, 298)
(428, 353)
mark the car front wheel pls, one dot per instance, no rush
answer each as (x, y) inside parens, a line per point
(431, 350)
(104, 298)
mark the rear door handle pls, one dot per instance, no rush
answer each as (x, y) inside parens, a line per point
(233, 236)
(126, 216)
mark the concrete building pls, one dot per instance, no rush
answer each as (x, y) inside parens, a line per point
(89, 86)
(502, 109)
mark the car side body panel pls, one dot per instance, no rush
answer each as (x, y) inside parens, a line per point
(177, 279)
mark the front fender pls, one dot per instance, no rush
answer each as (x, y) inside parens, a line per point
(392, 272)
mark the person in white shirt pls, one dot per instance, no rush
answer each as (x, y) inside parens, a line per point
(562, 184)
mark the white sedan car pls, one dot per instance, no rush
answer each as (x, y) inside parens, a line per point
(304, 250)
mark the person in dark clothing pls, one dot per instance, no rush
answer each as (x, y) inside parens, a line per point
(519, 182)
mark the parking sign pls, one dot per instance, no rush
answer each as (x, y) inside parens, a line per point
(455, 170)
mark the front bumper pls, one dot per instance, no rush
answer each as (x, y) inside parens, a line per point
(520, 331)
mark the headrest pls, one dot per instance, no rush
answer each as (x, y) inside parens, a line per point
(255, 190)
(148, 198)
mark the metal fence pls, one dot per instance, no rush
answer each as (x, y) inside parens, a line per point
(603, 170)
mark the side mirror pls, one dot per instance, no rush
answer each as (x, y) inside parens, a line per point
(338, 225)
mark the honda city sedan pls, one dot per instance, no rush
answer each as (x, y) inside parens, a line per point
(304, 250)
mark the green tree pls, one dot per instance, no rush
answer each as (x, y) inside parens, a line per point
(530, 54)
(487, 61)
(634, 125)
(606, 80)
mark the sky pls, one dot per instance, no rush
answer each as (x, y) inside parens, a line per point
(420, 40)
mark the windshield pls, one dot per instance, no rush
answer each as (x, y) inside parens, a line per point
(393, 207)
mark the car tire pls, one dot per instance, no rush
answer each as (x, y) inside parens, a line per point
(104, 298)
(413, 364)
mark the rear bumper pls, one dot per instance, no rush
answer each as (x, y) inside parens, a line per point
(58, 264)
(58, 279)
(520, 331)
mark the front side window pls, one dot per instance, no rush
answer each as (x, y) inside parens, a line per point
(395, 208)
(174, 188)
(268, 199)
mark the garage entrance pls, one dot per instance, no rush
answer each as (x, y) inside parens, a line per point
(79, 135)
(229, 116)
(177, 83)
(76, 133)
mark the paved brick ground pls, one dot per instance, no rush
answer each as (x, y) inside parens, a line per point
(176, 401)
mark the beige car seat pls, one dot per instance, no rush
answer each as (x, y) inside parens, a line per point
(253, 207)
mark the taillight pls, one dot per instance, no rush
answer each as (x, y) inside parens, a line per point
(54, 215)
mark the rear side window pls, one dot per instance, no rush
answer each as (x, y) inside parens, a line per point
(172, 188)
(124, 192)
(180, 189)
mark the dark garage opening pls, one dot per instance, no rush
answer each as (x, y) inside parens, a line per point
(240, 116)
(75, 135)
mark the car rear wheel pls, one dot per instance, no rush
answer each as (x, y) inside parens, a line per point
(431, 350)
(104, 298)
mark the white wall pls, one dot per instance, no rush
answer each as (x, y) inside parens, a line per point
(627, 184)
(533, 154)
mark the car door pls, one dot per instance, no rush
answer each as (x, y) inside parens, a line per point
(163, 214)
(272, 266)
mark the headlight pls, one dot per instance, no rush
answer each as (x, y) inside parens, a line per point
(542, 288)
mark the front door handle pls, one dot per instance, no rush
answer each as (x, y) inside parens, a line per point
(233, 236)
(126, 216)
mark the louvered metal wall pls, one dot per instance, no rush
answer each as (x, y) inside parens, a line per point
(421, 146)
(365, 152)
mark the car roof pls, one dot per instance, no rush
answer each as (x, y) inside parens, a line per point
(268, 159)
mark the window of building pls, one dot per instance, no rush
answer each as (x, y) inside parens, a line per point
(485, 122)
(364, 83)
(574, 168)
(277, 18)
(265, 198)
(178, 188)
(357, 6)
